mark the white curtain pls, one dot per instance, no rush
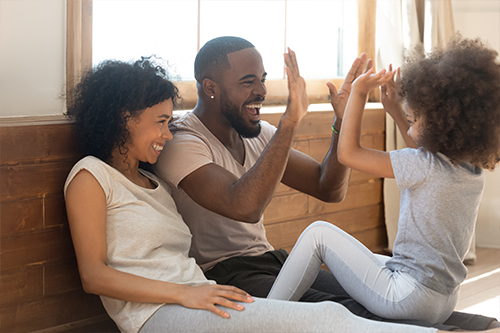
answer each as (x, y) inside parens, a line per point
(404, 24)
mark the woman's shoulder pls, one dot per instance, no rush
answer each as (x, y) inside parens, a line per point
(99, 169)
(90, 161)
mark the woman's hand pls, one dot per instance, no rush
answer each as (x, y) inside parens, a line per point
(206, 297)
(390, 97)
(298, 102)
(339, 99)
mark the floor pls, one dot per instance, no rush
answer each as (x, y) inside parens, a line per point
(480, 292)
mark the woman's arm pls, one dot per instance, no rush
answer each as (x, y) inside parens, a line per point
(86, 208)
(350, 152)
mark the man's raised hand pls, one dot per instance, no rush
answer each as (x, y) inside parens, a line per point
(298, 102)
(339, 99)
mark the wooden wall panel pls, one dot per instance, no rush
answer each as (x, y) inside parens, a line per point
(62, 277)
(34, 248)
(21, 216)
(54, 210)
(286, 207)
(33, 180)
(21, 285)
(50, 311)
(358, 195)
(40, 285)
(283, 234)
(31, 142)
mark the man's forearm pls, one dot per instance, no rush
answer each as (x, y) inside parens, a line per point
(334, 179)
(255, 189)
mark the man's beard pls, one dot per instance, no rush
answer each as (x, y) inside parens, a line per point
(232, 114)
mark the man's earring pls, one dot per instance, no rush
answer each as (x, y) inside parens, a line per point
(212, 97)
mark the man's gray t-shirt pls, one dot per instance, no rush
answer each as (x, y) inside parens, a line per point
(438, 210)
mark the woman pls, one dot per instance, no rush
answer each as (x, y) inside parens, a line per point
(130, 242)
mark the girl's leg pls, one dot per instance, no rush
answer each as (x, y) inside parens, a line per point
(363, 275)
(266, 315)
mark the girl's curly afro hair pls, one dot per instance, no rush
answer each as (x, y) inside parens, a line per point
(108, 95)
(455, 91)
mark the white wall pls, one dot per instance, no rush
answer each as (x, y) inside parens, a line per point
(32, 57)
(481, 18)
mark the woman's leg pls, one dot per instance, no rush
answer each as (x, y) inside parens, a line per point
(264, 315)
(363, 275)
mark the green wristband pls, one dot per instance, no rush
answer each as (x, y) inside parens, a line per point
(334, 130)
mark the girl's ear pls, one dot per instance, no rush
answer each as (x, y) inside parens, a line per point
(211, 88)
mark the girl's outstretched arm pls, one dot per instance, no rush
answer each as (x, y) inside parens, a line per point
(392, 105)
(350, 152)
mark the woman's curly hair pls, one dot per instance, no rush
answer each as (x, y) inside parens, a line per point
(456, 92)
(111, 93)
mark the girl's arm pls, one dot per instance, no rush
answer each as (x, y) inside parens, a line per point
(392, 105)
(86, 208)
(350, 152)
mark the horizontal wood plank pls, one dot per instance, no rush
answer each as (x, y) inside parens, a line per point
(286, 233)
(358, 195)
(21, 216)
(49, 312)
(36, 143)
(54, 210)
(286, 207)
(21, 285)
(51, 245)
(61, 277)
(20, 182)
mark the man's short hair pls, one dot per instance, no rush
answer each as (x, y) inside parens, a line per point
(213, 55)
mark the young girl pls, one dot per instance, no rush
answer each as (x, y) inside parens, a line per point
(453, 122)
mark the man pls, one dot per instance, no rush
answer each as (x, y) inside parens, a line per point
(224, 165)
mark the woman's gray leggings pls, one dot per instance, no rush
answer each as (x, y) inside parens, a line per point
(265, 315)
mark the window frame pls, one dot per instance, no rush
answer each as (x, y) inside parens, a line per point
(79, 56)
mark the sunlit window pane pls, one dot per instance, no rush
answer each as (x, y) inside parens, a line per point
(261, 22)
(324, 35)
(128, 29)
(322, 32)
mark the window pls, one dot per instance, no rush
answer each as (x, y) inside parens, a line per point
(322, 32)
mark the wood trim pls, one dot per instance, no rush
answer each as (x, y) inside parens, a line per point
(78, 42)
(277, 92)
(367, 17)
(33, 120)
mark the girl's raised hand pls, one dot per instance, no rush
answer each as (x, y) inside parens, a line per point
(368, 81)
(389, 94)
(206, 297)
